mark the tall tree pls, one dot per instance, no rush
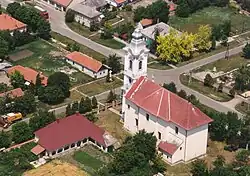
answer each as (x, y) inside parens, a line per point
(21, 132)
(5, 139)
(113, 62)
(158, 10)
(43, 29)
(61, 81)
(242, 78)
(17, 80)
(25, 104)
(199, 168)
(246, 51)
(203, 38)
(3, 48)
(69, 16)
(94, 102)
(85, 105)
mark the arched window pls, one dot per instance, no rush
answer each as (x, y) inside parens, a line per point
(140, 65)
(130, 64)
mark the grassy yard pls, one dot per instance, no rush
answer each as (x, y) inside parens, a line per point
(207, 91)
(111, 123)
(75, 95)
(159, 66)
(226, 65)
(121, 76)
(80, 78)
(80, 29)
(83, 49)
(243, 107)
(212, 16)
(99, 86)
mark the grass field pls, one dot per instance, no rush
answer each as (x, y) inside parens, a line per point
(56, 168)
(111, 43)
(75, 95)
(212, 16)
(243, 107)
(100, 86)
(207, 91)
(159, 66)
(83, 49)
(111, 123)
(80, 29)
(226, 65)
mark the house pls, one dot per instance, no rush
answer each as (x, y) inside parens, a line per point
(117, 3)
(13, 93)
(85, 14)
(149, 32)
(180, 127)
(11, 24)
(70, 133)
(87, 64)
(146, 22)
(61, 5)
(28, 74)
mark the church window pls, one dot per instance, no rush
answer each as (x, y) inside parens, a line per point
(159, 135)
(130, 64)
(147, 117)
(176, 130)
(136, 122)
(140, 65)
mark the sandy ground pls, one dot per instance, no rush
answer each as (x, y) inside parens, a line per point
(56, 168)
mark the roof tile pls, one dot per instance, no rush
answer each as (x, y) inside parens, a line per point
(9, 23)
(13, 93)
(168, 147)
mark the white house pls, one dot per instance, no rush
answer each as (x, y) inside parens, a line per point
(180, 127)
(87, 64)
(11, 24)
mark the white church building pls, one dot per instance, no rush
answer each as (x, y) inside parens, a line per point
(180, 127)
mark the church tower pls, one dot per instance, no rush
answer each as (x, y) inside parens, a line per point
(135, 62)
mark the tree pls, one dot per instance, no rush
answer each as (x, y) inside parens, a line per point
(43, 29)
(113, 62)
(109, 77)
(174, 47)
(17, 80)
(94, 102)
(158, 11)
(139, 13)
(69, 16)
(5, 139)
(220, 88)
(246, 51)
(25, 104)
(111, 97)
(242, 78)
(203, 38)
(242, 156)
(107, 32)
(20, 38)
(171, 87)
(21, 132)
(12, 8)
(51, 95)
(92, 117)
(3, 48)
(182, 94)
(75, 106)
(199, 168)
(38, 83)
(213, 46)
(41, 119)
(183, 10)
(208, 81)
(61, 81)
(85, 105)
(69, 110)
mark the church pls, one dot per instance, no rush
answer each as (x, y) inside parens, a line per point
(180, 128)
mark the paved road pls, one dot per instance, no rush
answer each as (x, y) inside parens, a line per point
(160, 76)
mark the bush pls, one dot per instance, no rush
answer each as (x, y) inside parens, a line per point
(208, 81)
(182, 94)
(183, 10)
(69, 16)
(246, 51)
(171, 87)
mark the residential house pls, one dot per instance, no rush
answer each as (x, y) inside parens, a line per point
(13, 93)
(149, 32)
(11, 24)
(61, 5)
(86, 15)
(180, 127)
(117, 3)
(68, 134)
(146, 22)
(87, 64)
(28, 74)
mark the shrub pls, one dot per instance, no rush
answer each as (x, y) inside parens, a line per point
(69, 16)
(208, 81)
(246, 51)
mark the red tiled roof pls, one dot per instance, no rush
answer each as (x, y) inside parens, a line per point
(85, 61)
(64, 3)
(146, 22)
(120, 1)
(9, 23)
(37, 149)
(172, 7)
(28, 73)
(13, 93)
(166, 105)
(67, 131)
(168, 147)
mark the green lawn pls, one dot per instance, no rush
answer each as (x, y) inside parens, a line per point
(87, 160)
(100, 86)
(80, 78)
(226, 65)
(211, 15)
(111, 43)
(159, 66)
(83, 49)
(42, 58)
(243, 107)
(207, 91)
(80, 29)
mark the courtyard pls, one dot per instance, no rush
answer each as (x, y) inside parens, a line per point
(212, 16)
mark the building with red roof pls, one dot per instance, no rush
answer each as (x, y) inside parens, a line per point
(70, 133)
(28, 74)
(146, 22)
(13, 93)
(181, 128)
(61, 5)
(11, 24)
(87, 64)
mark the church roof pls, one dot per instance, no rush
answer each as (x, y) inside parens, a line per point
(165, 105)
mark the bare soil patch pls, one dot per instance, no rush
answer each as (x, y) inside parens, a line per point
(20, 55)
